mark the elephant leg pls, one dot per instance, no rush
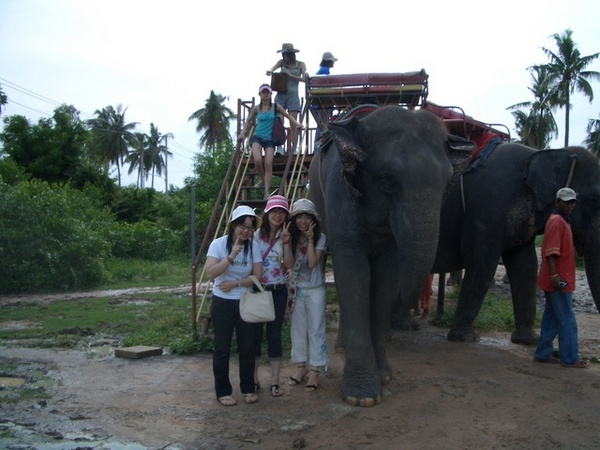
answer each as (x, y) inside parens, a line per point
(361, 385)
(383, 297)
(475, 284)
(339, 340)
(521, 266)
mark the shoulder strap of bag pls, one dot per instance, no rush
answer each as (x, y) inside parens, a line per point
(256, 282)
(269, 249)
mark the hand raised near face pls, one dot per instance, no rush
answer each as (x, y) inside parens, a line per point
(236, 248)
(285, 233)
(310, 232)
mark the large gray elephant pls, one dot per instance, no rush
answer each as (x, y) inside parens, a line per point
(496, 211)
(379, 189)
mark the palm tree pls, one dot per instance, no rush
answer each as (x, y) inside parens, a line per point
(593, 136)
(567, 72)
(157, 146)
(213, 120)
(138, 156)
(538, 127)
(3, 99)
(112, 136)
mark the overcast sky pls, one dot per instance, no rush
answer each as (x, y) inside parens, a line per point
(161, 59)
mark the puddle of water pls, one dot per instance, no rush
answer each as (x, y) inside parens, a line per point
(20, 435)
(11, 382)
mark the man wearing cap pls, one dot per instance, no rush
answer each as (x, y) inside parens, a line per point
(326, 63)
(322, 116)
(557, 279)
(296, 73)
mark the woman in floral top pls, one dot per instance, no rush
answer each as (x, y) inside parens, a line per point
(271, 237)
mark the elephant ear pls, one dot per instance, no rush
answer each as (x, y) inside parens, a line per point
(351, 154)
(547, 171)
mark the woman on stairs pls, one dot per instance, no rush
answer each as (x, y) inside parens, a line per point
(262, 117)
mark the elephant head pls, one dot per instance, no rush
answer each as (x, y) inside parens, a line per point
(575, 167)
(394, 168)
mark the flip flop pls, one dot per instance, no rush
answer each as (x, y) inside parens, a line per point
(276, 391)
(250, 398)
(227, 400)
(311, 387)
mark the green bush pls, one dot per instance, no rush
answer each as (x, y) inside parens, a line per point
(52, 238)
(144, 240)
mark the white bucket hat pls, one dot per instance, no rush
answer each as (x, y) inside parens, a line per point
(244, 210)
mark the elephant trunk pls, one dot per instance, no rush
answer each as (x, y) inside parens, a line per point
(592, 266)
(416, 234)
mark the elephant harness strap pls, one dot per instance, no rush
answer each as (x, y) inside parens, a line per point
(478, 157)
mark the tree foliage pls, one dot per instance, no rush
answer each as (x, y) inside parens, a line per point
(568, 74)
(52, 238)
(537, 127)
(213, 121)
(51, 150)
(112, 136)
(592, 141)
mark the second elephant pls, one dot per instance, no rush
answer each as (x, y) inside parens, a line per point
(497, 210)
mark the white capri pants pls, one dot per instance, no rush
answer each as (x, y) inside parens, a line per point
(308, 329)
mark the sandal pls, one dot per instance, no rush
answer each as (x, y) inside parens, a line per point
(227, 400)
(276, 391)
(579, 364)
(250, 398)
(315, 384)
(297, 380)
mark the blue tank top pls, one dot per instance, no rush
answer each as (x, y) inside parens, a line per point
(264, 123)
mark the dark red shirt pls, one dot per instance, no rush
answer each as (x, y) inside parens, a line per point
(558, 241)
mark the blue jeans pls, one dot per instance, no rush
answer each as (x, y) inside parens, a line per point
(275, 349)
(225, 315)
(558, 319)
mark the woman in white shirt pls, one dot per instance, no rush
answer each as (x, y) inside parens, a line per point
(229, 262)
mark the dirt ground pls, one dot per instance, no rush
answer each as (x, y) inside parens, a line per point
(445, 395)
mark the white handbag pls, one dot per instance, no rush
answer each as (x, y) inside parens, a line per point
(257, 306)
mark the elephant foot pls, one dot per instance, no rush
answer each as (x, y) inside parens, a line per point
(363, 390)
(463, 335)
(364, 402)
(525, 336)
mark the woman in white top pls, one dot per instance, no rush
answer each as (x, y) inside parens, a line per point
(229, 262)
